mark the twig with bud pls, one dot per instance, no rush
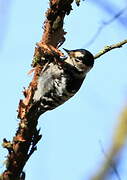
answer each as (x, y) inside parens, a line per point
(109, 48)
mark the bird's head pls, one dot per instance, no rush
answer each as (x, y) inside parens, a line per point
(81, 59)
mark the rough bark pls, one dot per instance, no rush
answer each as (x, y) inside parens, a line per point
(27, 136)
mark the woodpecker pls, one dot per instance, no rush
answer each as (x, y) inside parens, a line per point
(58, 82)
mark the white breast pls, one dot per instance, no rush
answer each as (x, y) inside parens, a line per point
(49, 78)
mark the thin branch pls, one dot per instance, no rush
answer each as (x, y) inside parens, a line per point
(103, 25)
(110, 161)
(111, 8)
(109, 48)
(118, 142)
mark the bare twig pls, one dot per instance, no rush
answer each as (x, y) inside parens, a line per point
(109, 48)
(110, 162)
(111, 8)
(118, 142)
(103, 25)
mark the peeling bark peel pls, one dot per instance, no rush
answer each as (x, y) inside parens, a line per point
(27, 136)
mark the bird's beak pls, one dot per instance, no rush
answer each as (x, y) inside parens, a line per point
(66, 50)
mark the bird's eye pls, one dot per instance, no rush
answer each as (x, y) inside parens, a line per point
(80, 58)
(77, 59)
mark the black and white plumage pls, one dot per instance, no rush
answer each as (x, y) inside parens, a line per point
(58, 82)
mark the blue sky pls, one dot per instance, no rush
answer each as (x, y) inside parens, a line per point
(69, 149)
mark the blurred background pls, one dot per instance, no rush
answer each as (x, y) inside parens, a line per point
(78, 135)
